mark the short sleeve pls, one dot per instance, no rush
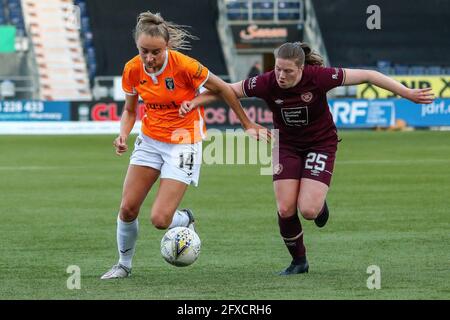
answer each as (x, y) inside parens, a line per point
(127, 83)
(195, 72)
(329, 78)
(255, 86)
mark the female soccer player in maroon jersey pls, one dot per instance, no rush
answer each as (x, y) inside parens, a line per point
(295, 92)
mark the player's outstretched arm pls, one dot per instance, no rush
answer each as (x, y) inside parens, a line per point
(358, 76)
(126, 123)
(209, 96)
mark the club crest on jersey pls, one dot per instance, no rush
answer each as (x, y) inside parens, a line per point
(306, 97)
(170, 84)
(277, 169)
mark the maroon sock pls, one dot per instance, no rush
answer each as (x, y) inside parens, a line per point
(292, 234)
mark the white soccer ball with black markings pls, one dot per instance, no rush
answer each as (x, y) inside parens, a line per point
(180, 246)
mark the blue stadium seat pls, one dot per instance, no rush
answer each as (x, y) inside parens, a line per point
(401, 69)
(237, 5)
(87, 39)
(13, 3)
(263, 5)
(385, 70)
(288, 5)
(383, 63)
(92, 69)
(288, 15)
(237, 15)
(417, 70)
(78, 2)
(83, 11)
(263, 16)
(85, 24)
(90, 53)
(288, 10)
(434, 70)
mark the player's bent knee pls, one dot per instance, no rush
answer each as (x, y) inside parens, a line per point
(309, 212)
(286, 211)
(160, 222)
(128, 213)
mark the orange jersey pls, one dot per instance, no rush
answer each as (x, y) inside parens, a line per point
(179, 79)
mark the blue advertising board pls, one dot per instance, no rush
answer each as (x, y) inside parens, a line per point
(347, 113)
(363, 113)
(22, 110)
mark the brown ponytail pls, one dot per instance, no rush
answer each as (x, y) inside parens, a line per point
(301, 53)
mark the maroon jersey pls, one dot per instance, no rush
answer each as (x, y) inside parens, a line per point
(301, 113)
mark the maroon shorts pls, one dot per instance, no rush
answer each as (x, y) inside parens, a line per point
(312, 163)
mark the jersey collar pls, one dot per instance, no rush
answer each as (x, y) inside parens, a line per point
(153, 76)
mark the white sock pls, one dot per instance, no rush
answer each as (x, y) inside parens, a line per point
(180, 219)
(127, 233)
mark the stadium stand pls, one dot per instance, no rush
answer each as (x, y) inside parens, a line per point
(69, 61)
(403, 45)
(112, 26)
(58, 51)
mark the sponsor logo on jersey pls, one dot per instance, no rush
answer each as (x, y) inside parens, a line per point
(170, 84)
(142, 82)
(306, 97)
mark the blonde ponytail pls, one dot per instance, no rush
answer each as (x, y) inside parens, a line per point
(153, 24)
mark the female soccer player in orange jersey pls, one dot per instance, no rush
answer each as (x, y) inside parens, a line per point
(168, 147)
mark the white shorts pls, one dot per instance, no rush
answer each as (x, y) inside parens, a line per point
(180, 162)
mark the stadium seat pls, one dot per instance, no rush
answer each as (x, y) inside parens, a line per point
(87, 39)
(237, 4)
(289, 4)
(288, 16)
(434, 70)
(82, 6)
(401, 69)
(417, 70)
(2, 16)
(237, 16)
(288, 10)
(262, 16)
(262, 5)
(85, 24)
(58, 50)
(263, 10)
(385, 70)
(383, 64)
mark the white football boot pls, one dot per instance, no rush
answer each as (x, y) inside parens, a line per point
(190, 214)
(117, 271)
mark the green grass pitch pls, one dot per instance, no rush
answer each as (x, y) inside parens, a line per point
(389, 204)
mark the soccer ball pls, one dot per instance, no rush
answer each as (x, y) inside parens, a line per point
(180, 246)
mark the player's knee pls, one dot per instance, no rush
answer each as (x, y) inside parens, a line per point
(309, 212)
(128, 213)
(160, 221)
(286, 211)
